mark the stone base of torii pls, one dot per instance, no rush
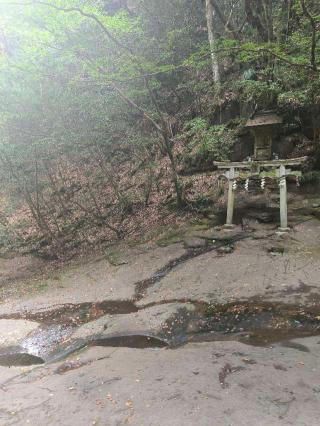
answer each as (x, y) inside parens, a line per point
(274, 169)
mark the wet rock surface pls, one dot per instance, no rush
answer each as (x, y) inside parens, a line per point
(259, 323)
(171, 325)
(19, 359)
(207, 334)
(13, 331)
(175, 321)
(153, 319)
(76, 314)
(129, 340)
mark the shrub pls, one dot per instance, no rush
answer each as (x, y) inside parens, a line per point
(206, 143)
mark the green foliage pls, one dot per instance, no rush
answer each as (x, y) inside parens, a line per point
(199, 59)
(310, 177)
(250, 74)
(264, 94)
(293, 100)
(206, 143)
(86, 86)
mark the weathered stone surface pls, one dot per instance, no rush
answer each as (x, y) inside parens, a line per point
(262, 217)
(117, 258)
(94, 281)
(116, 384)
(194, 242)
(225, 250)
(223, 278)
(275, 249)
(150, 319)
(203, 383)
(12, 332)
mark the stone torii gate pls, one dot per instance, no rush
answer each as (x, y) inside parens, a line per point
(275, 169)
(263, 125)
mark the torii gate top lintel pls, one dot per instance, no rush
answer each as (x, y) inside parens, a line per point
(265, 163)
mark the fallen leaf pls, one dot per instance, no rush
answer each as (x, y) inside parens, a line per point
(129, 403)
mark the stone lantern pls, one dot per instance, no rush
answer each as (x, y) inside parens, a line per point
(263, 125)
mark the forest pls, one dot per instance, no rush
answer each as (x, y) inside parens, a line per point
(112, 112)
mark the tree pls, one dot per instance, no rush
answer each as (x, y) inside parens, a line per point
(212, 41)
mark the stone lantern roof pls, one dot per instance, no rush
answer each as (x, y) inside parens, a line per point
(264, 119)
(263, 125)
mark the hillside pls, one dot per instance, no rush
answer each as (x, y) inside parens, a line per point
(113, 111)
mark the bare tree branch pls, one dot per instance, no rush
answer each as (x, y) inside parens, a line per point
(226, 22)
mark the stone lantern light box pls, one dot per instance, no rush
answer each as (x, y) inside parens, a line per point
(264, 125)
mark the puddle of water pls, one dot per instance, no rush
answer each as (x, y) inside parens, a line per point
(19, 359)
(63, 351)
(137, 341)
(46, 339)
(77, 314)
(295, 345)
(253, 323)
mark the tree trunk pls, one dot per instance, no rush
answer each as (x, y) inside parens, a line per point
(268, 9)
(175, 178)
(313, 23)
(211, 36)
(254, 13)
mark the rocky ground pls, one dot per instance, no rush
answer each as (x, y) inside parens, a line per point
(220, 328)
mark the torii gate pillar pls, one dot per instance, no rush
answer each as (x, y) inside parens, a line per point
(231, 195)
(283, 200)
